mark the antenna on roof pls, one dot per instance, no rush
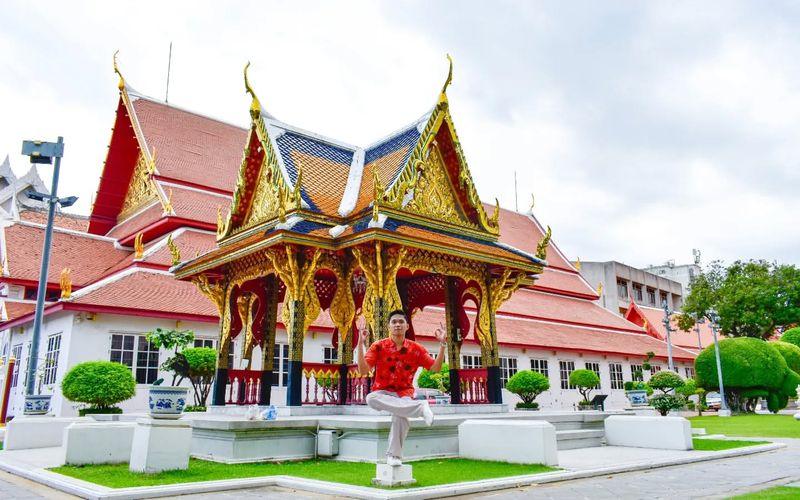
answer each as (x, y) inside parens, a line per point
(169, 66)
(516, 205)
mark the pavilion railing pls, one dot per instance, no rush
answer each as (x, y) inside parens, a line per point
(243, 387)
(357, 386)
(320, 384)
(474, 383)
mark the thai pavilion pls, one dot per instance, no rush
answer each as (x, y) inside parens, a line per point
(318, 227)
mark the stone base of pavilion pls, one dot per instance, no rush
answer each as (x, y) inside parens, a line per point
(361, 434)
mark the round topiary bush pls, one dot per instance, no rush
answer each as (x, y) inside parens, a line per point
(665, 381)
(585, 381)
(792, 336)
(748, 364)
(528, 384)
(100, 384)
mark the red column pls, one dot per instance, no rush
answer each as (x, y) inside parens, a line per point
(7, 390)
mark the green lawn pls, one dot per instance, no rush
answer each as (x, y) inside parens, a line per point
(780, 492)
(750, 425)
(426, 472)
(722, 444)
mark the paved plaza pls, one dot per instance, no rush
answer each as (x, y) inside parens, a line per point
(709, 479)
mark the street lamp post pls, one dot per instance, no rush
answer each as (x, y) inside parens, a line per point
(667, 314)
(724, 411)
(43, 153)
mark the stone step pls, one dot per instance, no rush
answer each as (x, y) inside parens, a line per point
(580, 438)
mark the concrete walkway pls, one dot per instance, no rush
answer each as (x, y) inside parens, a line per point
(706, 474)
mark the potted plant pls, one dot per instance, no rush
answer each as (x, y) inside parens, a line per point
(39, 404)
(637, 392)
(169, 401)
(585, 381)
(527, 384)
(100, 384)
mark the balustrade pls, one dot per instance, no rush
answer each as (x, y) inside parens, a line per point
(474, 383)
(243, 387)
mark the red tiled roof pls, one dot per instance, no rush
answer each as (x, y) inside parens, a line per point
(540, 334)
(188, 243)
(196, 205)
(537, 304)
(16, 309)
(65, 220)
(137, 222)
(157, 292)
(191, 147)
(87, 257)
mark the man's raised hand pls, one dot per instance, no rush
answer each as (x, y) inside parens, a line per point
(363, 333)
(440, 335)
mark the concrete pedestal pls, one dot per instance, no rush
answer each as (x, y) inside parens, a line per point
(98, 443)
(28, 432)
(517, 441)
(664, 433)
(160, 445)
(387, 475)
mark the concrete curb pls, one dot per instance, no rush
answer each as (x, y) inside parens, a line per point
(93, 491)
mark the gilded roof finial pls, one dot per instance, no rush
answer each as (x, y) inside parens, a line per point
(495, 220)
(121, 84)
(449, 76)
(138, 247)
(377, 189)
(168, 203)
(296, 199)
(533, 202)
(644, 325)
(541, 248)
(173, 249)
(66, 283)
(255, 105)
(151, 166)
(600, 288)
(578, 265)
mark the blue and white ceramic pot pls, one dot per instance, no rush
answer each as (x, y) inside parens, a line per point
(37, 405)
(167, 401)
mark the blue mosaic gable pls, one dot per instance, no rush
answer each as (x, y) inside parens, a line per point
(407, 138)
(289, 142)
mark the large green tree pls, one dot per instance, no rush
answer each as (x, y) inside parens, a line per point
(752, 298)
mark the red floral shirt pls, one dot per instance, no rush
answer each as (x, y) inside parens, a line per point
(395, 368)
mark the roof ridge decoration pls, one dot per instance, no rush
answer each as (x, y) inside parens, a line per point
(263, 190)
(142, 188)
(427, 160)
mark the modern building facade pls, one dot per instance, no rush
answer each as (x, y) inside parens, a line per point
(618, 284)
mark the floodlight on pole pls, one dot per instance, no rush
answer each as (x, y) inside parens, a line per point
(41, 152)
(667, 314)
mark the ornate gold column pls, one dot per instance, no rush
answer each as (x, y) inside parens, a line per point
(268, 338)
(219, 293)
(301, 307)
(380, 268)
(498, 290)
(452, 307)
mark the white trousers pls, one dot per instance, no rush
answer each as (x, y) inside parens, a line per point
(401, 409)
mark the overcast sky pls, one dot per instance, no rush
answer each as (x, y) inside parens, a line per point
(644, 129)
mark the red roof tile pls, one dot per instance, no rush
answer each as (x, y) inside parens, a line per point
(67, 221)
(88, 257)
(137, 222)
(677, 336)
(157, 292)
(16, 309)
(191, 147)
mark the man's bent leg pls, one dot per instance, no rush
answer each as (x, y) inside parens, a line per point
(397, 436)
(401, 409)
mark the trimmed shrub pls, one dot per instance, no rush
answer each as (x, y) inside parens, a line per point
(664, 403)
(750, 368)
(792, 336)
(201, 363)
(530, 406)
(585, 381)
(435, 380)
(528, 384)
(665, 381)
(100, 384)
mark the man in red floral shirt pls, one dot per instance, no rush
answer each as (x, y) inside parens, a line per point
(396, 360)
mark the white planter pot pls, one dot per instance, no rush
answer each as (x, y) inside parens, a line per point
(37, 405)
(167, 401)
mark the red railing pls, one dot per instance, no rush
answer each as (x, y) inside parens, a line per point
(473, 385)
(357, 386)
(244, 387)
(320, 384)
